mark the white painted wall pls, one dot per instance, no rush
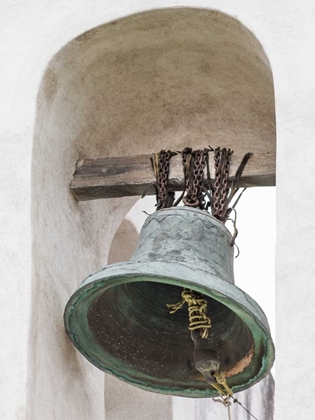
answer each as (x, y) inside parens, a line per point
(32, 32)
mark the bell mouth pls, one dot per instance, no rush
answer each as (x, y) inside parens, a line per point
(119, 320)
(131, 322)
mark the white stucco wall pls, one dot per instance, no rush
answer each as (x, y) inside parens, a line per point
(31, 34)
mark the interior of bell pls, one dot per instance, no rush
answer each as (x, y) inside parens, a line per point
(133, 326)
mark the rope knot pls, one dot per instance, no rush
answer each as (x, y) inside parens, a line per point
(197, 311)
(221, 386)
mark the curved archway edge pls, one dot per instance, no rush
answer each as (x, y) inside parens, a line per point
(168, 77)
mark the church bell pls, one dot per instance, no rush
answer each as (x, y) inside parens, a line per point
(120, 318)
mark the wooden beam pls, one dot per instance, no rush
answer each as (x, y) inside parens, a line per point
(130, 176)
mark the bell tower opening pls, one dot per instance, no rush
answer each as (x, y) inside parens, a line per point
(163, 78)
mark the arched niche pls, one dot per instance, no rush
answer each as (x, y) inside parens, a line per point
(159, 79)
(172, 77)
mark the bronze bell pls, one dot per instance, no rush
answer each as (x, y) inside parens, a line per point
(119, 319)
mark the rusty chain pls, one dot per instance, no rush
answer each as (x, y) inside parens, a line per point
(219, 191)
(220, 187)
(161, 167)
(194, 163)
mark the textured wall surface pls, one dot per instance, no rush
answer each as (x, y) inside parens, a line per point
(36, 358)
(125, 88)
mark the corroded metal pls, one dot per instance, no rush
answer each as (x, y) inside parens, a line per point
(119, 320)
(222, 162)
(161, 167)
(194, 163)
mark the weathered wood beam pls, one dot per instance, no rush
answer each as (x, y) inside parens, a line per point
(129, 176)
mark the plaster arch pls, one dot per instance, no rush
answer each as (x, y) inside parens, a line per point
(164, 78)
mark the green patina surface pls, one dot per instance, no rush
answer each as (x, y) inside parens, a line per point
(105, 314)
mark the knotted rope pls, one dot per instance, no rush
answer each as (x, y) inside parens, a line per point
(197, 311)
(221, 386)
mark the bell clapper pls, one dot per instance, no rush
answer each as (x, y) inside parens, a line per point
(205, 359)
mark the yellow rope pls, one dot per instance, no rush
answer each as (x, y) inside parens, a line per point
(222, 386)
(197, 312)
(226, 394)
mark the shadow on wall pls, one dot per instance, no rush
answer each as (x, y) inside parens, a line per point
(123, 243)
(160, 79)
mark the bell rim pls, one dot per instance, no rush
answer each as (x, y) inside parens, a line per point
(211, 286)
